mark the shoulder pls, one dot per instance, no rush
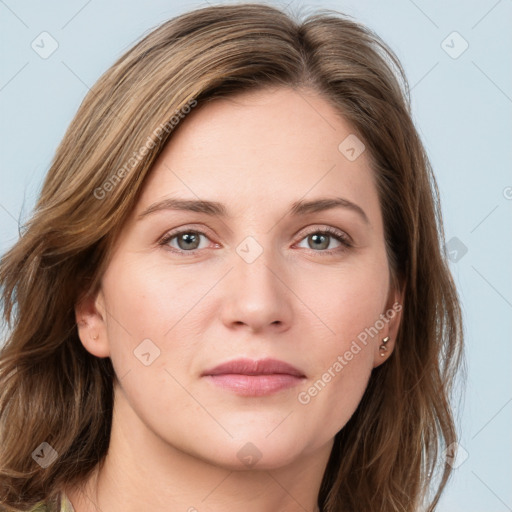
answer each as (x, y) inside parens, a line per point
(65, 506)
(40, 507)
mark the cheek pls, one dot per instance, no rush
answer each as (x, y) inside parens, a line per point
(149, 300)
(349, 302)
(334, 390)
(152, 344)
(338, 396)
(351, 306)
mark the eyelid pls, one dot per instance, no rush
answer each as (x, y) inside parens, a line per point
(330, 230)
(169, 235)
(344, 239)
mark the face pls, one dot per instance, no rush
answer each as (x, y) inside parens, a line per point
(249, 277)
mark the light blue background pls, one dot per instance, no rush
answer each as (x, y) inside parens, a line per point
(462, 108)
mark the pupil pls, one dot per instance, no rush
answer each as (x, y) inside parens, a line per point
(188, 238)
(318, 238)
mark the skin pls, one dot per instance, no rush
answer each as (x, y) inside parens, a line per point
(175, 436)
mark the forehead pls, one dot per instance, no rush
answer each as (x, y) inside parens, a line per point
(260, 148)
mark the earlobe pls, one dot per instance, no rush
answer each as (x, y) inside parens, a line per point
(383, 350)
(385, 346)
(90, 319)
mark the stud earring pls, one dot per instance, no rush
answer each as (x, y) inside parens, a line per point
(95, 337)
(383, 349)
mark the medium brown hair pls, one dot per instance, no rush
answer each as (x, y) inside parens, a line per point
(386, 458)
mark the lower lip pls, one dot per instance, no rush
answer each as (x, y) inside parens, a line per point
(255, 385)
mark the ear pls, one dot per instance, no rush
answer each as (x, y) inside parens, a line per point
(392, 318)
(92, 329)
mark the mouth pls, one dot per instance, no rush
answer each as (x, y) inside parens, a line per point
(248, 377)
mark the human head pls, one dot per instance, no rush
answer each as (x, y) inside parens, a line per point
(97, 177)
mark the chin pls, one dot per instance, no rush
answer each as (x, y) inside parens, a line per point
(257, 451)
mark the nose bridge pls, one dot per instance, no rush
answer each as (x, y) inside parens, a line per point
(255, 294)
(256, 264)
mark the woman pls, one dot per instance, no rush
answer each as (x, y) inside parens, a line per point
(232, 292)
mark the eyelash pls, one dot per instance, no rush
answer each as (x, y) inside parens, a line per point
(338, 235)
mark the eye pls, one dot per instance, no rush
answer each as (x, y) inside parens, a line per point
(188, 240)
(319, 240)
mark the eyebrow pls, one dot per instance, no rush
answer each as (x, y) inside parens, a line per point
(214, 208)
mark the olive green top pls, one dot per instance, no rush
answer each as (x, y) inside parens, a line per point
(66, 506)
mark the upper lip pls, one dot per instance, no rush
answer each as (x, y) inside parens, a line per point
(254, 367)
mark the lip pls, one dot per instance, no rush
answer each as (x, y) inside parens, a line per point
(249, 377)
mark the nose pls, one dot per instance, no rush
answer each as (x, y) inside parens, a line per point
(256, 294)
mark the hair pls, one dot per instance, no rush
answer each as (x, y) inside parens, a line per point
(387, 457)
